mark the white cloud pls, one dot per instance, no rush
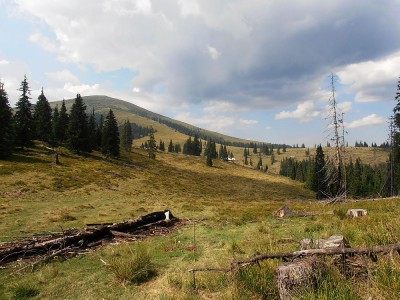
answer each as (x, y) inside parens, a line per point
(221, 106)
(304, 112)
(216, 122)
(63, 76)
(372, 81)
(11, 74)
(43, 41)
(82, 88)
(213, 52)
(247, 122)
(344, 107)
(169, 44)
(371, 120)
(189, 7)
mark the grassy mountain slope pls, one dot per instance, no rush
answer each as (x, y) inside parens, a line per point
(233, 206)
(167, 128)
(126, 110)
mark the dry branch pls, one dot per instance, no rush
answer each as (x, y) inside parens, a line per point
(371, 251)
(226, 270)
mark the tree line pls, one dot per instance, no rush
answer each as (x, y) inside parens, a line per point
(75, 129)
(362, 180)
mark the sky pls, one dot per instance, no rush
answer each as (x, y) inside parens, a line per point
(254, 69)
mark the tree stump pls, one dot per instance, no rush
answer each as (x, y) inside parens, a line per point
(354, 213)
(296, 276)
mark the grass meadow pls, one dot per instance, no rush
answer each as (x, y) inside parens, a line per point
(231, 206)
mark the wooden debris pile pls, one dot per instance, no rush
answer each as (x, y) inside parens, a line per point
(73, 242)
(303, 268)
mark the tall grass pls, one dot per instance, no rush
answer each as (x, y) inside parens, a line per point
(133, 265)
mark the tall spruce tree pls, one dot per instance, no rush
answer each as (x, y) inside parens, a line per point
(395, 155)
(260, 163)
(320, 174)
(6, 132)
(99, 132)
(92, 129)
(110, 142)
(209, 159)
(42, 118)
(151, 144)
(78, 135)
(54, 127)
(170, 146)
(126, 136)
(62, 125)
(129, 136)
(23, 120)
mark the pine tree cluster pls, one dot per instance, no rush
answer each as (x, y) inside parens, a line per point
(363, 180)
(192, 147)
(76, 130)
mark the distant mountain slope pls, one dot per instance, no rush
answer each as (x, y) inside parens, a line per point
(143, 117)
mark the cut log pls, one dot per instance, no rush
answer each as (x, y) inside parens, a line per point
(334, 241)
(354, 213)
(294, 277)
(282, 212)
(82, 238)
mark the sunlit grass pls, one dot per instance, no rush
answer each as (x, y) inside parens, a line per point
(232, 204)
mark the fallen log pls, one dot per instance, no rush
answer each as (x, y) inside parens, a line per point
(370, 251)
(82, 238)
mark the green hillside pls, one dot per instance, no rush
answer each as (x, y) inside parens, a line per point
(180, 131)
(233, 207)
(227, 212)
(167, 128)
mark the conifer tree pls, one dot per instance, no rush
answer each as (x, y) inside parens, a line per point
(209, 159)
(129, 135)
(62, 126)
(92, 129)
(110, 142)
(188, 146)
(225, 153)
(162, 146)
(395, 141)
(170, 146)
(272, 157)
(54, 127)
(320, 173)
(6, 132)
(221, 151)
(42, 118)
(255, 148)
(260, 163)
(151, 144)
(78, 135)
(126, 136)
(99, 132)
(24, 125)
(197, 147)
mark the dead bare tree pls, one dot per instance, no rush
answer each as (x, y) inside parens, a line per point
(335, 166)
